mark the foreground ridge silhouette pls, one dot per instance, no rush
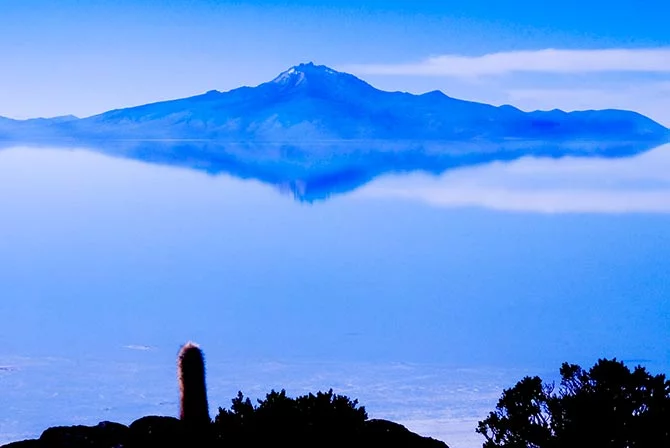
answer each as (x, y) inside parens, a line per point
(324, 420)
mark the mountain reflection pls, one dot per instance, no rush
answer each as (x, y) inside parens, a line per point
(319, 170)
(637, 184)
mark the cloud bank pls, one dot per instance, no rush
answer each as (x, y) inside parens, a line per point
(650, 60)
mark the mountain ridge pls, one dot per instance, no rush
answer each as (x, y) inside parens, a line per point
(314, 102)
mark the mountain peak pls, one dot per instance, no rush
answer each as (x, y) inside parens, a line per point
(298, 74)
(312, 68)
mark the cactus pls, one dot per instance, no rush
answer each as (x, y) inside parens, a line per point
(193, 407)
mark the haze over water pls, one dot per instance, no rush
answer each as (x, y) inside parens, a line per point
(439, 289)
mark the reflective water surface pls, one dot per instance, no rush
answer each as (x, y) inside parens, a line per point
(422, 294)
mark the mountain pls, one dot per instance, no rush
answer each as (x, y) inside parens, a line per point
(314, 103)
(315, 132)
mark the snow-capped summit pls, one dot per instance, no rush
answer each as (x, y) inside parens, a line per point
(299, 73)
(290, 76)
(318, 78)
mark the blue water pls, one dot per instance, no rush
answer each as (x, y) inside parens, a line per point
(505, 267)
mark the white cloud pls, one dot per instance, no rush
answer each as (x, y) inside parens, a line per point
(142, 348)
(638, 184)
(652, 60)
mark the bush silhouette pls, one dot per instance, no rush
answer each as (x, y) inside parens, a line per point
(314, 420)
(607, 406)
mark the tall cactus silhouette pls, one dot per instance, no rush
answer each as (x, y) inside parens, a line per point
(193, 406)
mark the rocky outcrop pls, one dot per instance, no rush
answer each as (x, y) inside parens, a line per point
(156, 431)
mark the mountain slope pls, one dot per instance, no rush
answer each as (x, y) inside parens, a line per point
(310, 102)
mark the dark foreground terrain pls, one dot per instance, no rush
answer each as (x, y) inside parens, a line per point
(154, 431)
(323, 419)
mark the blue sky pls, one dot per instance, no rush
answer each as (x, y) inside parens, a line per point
(85, 57)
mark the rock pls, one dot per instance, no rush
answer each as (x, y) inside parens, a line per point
(33, 443)
(386, 433)
(103, 435)
(157, 431)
